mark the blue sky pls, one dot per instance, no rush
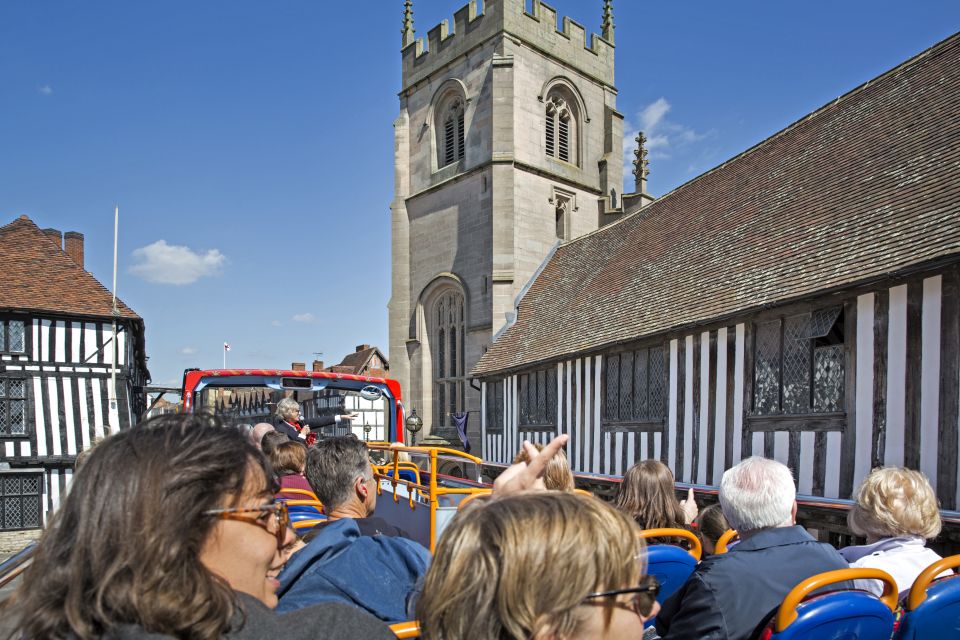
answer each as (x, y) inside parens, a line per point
(249, 143)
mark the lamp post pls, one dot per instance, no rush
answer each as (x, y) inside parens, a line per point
(414, 424)
(366, 432)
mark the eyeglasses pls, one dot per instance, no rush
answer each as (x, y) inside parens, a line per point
(281, 517)
(645, 594)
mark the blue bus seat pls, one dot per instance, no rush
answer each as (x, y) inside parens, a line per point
(405, 474)
(669, 564)
(932, 609)
(850, 614)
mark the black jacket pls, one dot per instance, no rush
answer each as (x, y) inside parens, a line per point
(331, 621)
(731, 596)
(293, 433)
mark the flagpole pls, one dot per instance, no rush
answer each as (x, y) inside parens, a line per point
(115, 312)
(224, 355)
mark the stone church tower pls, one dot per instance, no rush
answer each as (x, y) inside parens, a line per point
(508, 142)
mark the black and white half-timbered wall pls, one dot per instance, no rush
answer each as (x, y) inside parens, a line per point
(800, 302)
(57, 356)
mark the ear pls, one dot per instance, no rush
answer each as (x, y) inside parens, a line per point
(793, 512)
(361, 489)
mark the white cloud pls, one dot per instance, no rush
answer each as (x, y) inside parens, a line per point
(304, 317)
(171, 264)
(276, 323)
(665, 138)
(188, 351)
(45, 90)
(653, 113)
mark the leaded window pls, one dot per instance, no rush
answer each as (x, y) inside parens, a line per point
(13, 405)
(494, 406)
(560, 129)
(449, 370)
(450, 133)
(537, 401)
(798, 364)
(20, 495)
(635, 385)
(13, 336)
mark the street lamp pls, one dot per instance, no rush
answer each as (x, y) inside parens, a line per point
(414, 424)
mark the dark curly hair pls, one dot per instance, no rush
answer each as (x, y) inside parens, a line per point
(124, 548)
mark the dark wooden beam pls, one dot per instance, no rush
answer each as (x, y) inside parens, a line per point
(949, 393)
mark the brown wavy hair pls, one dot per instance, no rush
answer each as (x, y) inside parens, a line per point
(124, 548)
(288, 458)
(647, 493)
(518, 567)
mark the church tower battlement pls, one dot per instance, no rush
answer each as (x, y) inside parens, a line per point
(537, 28)
(508, 141)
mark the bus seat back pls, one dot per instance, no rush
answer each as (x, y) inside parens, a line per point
(938, 616)
(846, 614)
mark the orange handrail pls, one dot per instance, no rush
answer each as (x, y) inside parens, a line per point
(724, 541)
(788, 610)
(475, 493)
(306, 524)
(696, 549)
(409, 629)
(305, 503)
(918, 592)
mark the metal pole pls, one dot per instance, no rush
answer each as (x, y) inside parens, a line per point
(115, 311)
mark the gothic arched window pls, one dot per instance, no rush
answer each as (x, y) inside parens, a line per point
(449, 131)
(561, 129)
(447, 338)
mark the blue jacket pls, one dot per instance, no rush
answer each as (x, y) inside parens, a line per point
(376, 573)
(730, 596)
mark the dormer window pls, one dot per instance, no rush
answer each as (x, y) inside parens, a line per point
(450, 132)
(561, 126)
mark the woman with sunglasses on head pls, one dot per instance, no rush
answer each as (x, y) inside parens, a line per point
(538, 565)
(170, 530)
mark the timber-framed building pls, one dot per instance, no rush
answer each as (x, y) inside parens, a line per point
(799, 301)
(56, 359)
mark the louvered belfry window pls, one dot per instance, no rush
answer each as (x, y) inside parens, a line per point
(560, 125)
(452, 139)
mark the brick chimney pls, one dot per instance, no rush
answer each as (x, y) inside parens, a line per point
(55, 236)
(73, 245)
(362, 347)
(298, 366)
(318, 365)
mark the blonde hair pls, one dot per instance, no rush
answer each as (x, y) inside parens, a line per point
(518, 567)
(895, 501)
(557, 476)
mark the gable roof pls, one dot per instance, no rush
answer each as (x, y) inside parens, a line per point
(37, 275)
(863, 187)
(358, 361)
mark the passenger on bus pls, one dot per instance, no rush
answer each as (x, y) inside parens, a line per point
(169, 530)
(558, 475)
(648, 495)
(259, 430)
(271, 440)
(709, 526)
(732, 595)
(543, 564)
(290, 423)
(896, 510)
(288, 460)
(354, 557)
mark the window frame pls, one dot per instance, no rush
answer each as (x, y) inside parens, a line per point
(636, 422)
(5, 321)
(452, 109)
(5, 497)
(442, 355)
(834, 417)
(560, 114)
(545, 379)
(5, 407)
(494, 409)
